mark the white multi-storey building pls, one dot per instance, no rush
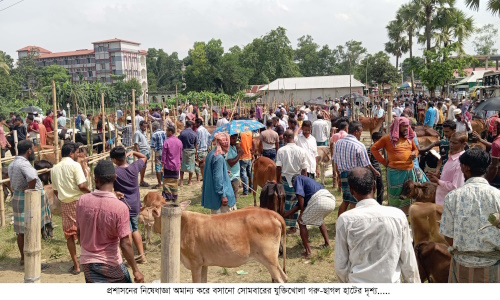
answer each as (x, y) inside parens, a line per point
(114, 56)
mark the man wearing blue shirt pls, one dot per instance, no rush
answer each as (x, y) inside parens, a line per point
(314, 203)
(430, 115)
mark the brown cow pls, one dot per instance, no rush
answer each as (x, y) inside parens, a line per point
(421, 192)
(256, 145)
(324, 160)
(424, 141)
(433, 261)
(424, 221)
(151, 201)
(425, 131)
(371, 124)
(230, 240)
(478, 125)
(264, 170)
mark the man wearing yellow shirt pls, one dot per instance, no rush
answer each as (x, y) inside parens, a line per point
(69, 183)
(441, 118)
(246, 160)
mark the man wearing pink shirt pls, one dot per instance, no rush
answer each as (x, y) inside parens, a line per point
(103, 228)
(335, 137)
(451, 176)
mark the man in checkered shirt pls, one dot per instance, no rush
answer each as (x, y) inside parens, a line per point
(157, 139)
(127, 135)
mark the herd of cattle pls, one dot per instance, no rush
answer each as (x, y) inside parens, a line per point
(253, 233)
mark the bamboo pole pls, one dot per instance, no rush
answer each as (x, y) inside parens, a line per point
(176, 99)
(2, 200)
(32, 236)
(103, 124)
(153, 152)
(163, 117)
(170, 243)
(212, 111)
(56, 135)
(85, 109)
(73, 120)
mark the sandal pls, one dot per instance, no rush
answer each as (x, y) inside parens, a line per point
(158, 186)
(324, 246)
(71, 270)
(144, 184)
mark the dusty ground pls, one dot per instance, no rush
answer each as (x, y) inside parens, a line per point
(320, 268)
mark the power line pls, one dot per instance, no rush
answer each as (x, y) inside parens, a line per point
(10, 5)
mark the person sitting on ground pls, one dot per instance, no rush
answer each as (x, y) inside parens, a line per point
(126, 182)
(315, 204)
(103, 227)
(381, 229)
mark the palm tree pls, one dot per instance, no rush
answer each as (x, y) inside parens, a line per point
(408, 14)
(427, 10)
(452, 25)
(4, 67)
(493, 6)
(397, 44)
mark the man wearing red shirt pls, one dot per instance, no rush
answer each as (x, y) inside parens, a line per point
(48, 122)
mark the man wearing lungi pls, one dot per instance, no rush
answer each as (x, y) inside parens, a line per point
(189, 140)
(291, 160)
(141, 144)
(202, 146)
(465, 212)
(157, 139)
(315, 203)
(401, 151)
(22, 177)
(171, 161)
(69, 183)
(217, 192)
(102, 223)
(350, 153)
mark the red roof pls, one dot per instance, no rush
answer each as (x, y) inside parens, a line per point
(254, 89)
(143, 52)
(115, 40)
(69, 53)
(40, 49)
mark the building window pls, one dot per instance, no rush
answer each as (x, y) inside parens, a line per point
(103, 66)
(88, 60)
(90, 74)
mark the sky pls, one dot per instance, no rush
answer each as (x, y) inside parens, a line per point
(174, 25)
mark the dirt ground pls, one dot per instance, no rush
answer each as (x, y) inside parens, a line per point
(320, 268)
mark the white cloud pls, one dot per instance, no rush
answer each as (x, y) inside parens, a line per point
(281, 5)
(343, 16)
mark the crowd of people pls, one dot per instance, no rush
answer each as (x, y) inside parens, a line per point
(290, 137)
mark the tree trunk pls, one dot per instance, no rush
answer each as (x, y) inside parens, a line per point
(428, 13)
(410, 41)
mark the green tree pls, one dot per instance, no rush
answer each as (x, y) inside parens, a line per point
(493, 5)
(27, 72)
(485, 40)
(452, 25)
(53, 72)
(438, 70)
(164, 71)
(398, 44)
(307, 56)
(348, 56)
(406, 66)
(408, 14)
(376, 68)
(427, 12)
(234, 76)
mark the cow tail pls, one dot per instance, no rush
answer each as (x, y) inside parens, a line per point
(283, 233)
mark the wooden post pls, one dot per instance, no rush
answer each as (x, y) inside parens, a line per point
(2, 200)
(163, 117)
(56, 136)
(103, 124)
(93, 110)
(153, 152)
(85, 109)
(170, 243)
(15, 140)
(176, 99)
(73, 120)
(212, 111)
(32, 236)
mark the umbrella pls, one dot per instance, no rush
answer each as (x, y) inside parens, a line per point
(317, 101)
(31, 109)
(357, 97)
(238, 126)
(492, 104)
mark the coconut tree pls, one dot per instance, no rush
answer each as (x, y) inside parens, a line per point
(409, 15)
(398, 44)
(493, 6)
(452, 25)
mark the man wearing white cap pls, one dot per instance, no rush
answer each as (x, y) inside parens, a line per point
(462, 125)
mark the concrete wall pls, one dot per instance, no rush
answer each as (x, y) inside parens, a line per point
(299, 96)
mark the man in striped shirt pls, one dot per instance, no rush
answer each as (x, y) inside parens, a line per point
(157, 140)
(350, 153)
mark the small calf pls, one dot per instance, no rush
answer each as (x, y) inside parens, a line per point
(433, 261)
(421, 192)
